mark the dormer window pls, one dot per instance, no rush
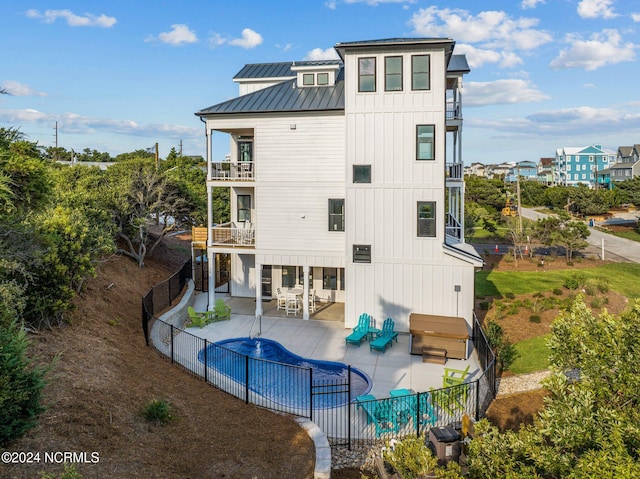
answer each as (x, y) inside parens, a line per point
(308, 79)
(323, 79)
(316, 73)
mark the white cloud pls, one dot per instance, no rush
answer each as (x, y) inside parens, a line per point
(478, 56)
(74, 123)
(19, 89)
(501, 92)
(73, 20)
(601, 49)
(178, 35)
(635, 17)
(250, 39)
(320, 54)
(495, 29)
(530, 3)
(596, 9)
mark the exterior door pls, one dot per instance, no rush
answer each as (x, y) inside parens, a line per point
(266, 281)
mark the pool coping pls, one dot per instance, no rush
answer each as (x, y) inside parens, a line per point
(323, 450)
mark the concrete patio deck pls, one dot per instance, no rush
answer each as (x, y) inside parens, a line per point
(325, 340)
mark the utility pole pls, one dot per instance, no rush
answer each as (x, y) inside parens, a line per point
(180, 148)
(157, 158)
(56, 134)
(520, 229)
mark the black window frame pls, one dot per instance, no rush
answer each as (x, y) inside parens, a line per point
(306, 76)
(388, 75)
(363, 76)
(244, 209)
(362, 253)
(426, 227)
(325, 79)
(415, 75)
(419, 142)
(362, 176)
(333, 216)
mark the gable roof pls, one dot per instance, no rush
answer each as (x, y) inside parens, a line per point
(278, 70)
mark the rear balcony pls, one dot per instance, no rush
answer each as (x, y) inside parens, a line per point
(454, 171)
(232, 235)
(233, 171)
(454, 110)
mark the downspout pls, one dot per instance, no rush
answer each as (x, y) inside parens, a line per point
(211, 257)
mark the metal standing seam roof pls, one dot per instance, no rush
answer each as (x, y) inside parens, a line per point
(283, 97)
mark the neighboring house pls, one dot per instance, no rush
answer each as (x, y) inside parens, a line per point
(498, 171)
(526, 170)
(340, 181)
(576, 166)
(546, 171)
(627, 165)
(476, 169)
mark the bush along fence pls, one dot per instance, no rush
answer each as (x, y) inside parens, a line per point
(347, 419)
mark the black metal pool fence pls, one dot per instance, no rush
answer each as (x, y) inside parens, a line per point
(328, 403)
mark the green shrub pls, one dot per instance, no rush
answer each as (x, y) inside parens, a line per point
(505, 351)
(158, 411)
(557, 291)
(590, 287)
(575, 281)
(538, 295)
(484, 305)
(69, 472)
(534, 318)
(21, 384)
(510, 295)
(602, 284)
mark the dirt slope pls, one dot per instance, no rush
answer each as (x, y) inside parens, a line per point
(105, 374)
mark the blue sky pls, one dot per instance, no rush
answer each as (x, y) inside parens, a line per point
(117, 76)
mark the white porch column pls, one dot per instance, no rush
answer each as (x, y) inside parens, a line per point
(305, 293)
(211, 256)
(258, 289)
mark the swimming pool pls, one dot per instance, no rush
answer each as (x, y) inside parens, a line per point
(282, 376)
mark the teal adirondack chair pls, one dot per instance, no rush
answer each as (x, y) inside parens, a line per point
(361, 331)
(386, 336)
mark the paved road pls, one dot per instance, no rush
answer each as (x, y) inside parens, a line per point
(615, 248)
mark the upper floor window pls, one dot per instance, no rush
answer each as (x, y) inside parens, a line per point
(308, 79)
(323, 79)
(393, 73)
(367, 74)
(427, 218)
(244, 208)
(420, 72)
(425, 142)
(336, 214)
(362, 173)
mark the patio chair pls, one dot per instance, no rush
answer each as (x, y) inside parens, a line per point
(427, 415)
(361, 331)
(312, 301)
(221, 311)
(291, 304)
(451, 399)
(386, 336)
(281, 299)
(380, 412)
(198, 318)
(453, 377)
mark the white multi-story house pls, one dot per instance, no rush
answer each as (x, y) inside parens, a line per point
(346, 177)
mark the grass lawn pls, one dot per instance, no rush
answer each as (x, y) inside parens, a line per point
(533, 355)
(622, 277)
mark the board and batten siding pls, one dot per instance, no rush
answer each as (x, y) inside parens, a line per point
(407, 273)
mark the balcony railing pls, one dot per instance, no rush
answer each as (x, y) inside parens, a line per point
(453, 227)
(455, 171)
(230, 234)
(237, 171)
(454, 110)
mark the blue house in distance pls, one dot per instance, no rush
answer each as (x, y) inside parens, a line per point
(582, 165)
(526, 170)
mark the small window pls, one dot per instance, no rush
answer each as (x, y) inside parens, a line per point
(362, 253)
(366, 74)
(330, 279)
(323, 78)
(244, 208)
(362, 173)
(307, 79)
(336, 214)
(420, 72)
(301, 276)
(427, 219)
(393, 73)
(425, 142)
(288, 276)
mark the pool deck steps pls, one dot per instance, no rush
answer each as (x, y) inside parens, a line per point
(323, 450)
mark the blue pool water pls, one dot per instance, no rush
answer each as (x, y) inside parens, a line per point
(270, 377)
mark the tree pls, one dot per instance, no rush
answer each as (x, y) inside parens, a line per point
(557, 197)
(532, 193)
(629, 191)
(563, 231)
(589, 427)
(485, 192)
